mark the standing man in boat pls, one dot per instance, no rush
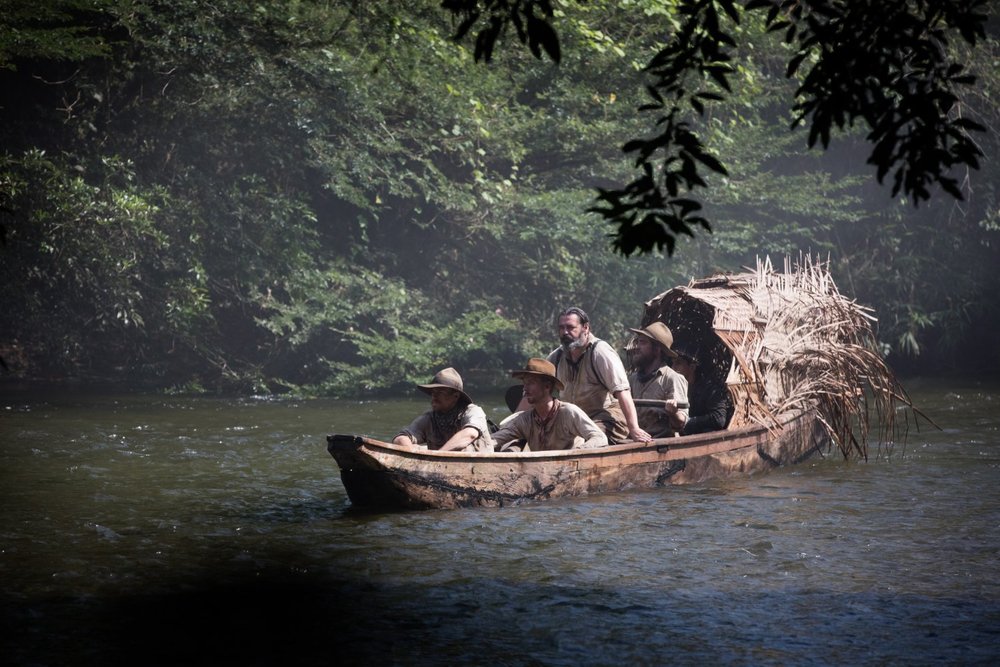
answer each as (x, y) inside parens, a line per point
(595, 378)
(711, 405)
(548, 423)
(652, 378)
(454, 422)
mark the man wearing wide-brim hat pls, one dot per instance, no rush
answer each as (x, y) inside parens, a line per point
(653, 379)
(454, 422)
(549, 423)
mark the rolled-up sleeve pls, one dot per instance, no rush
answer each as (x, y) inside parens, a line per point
(609, 368)
(419, 429)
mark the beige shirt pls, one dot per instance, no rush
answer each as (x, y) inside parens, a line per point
(663, 384)
(592, 381)
(424, 430)
(560, 432)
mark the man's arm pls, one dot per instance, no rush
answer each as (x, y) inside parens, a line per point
(611, 371)
(593, 436)
(461, 440)
(679, 396)
(510, 430)
(414, 433)
(624, 397)
(716, 416)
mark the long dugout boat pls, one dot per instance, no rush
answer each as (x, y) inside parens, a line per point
(799, 360)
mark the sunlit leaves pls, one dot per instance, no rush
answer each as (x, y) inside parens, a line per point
(321, 193)
(882, 62)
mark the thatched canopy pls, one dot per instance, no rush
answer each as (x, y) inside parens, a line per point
(783, 341)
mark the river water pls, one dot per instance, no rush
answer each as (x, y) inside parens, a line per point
(154, 530)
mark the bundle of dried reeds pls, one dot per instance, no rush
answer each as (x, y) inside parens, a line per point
(789, 340)
(819, 351)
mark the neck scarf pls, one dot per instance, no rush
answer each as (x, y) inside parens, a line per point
(646, 377)
(545, 424)
(446, 423)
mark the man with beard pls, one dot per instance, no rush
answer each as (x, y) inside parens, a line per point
(595, 378)
(454, 422)
(654, 379)
(548, 423)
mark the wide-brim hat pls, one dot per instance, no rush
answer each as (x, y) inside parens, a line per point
(658, 332)
(541, 368)
(446, 379)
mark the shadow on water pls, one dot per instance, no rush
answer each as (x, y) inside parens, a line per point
(318, 619)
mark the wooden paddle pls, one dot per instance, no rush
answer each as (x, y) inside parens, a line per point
(655, 403)
(514, 393)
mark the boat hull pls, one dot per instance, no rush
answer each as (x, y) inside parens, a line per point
(383, 475)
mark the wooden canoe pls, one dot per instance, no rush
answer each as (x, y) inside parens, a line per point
(383, 475)
(800, 362)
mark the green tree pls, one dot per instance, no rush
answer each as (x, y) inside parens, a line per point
(331, 197)
(881, 63)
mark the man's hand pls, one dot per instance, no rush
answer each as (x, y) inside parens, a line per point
(639, 435)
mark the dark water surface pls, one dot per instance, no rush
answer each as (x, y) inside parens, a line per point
(153, 530)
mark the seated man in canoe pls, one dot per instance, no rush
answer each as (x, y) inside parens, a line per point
(550, 423)
(711, 405)
(595, 379)
(653, 379)
(454, 422)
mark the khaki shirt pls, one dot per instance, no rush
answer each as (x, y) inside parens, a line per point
(424, 430)
(663, 384)
(561, 432)
(592, 381)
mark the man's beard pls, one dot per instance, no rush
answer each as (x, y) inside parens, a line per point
(644, 360)
(570, 343)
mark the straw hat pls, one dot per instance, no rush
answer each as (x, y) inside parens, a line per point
(541, 368)
(446, 379)
(658, 332)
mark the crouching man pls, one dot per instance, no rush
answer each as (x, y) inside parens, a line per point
(454, 422)
(549, 423)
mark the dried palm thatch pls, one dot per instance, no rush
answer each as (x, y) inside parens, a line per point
(788, 341)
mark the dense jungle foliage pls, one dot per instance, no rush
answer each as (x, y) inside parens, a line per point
(334, 197)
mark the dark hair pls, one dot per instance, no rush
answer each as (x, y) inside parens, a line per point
(573, 310)
(688, 352)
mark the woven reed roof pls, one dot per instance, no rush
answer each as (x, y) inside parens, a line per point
(787, 340)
